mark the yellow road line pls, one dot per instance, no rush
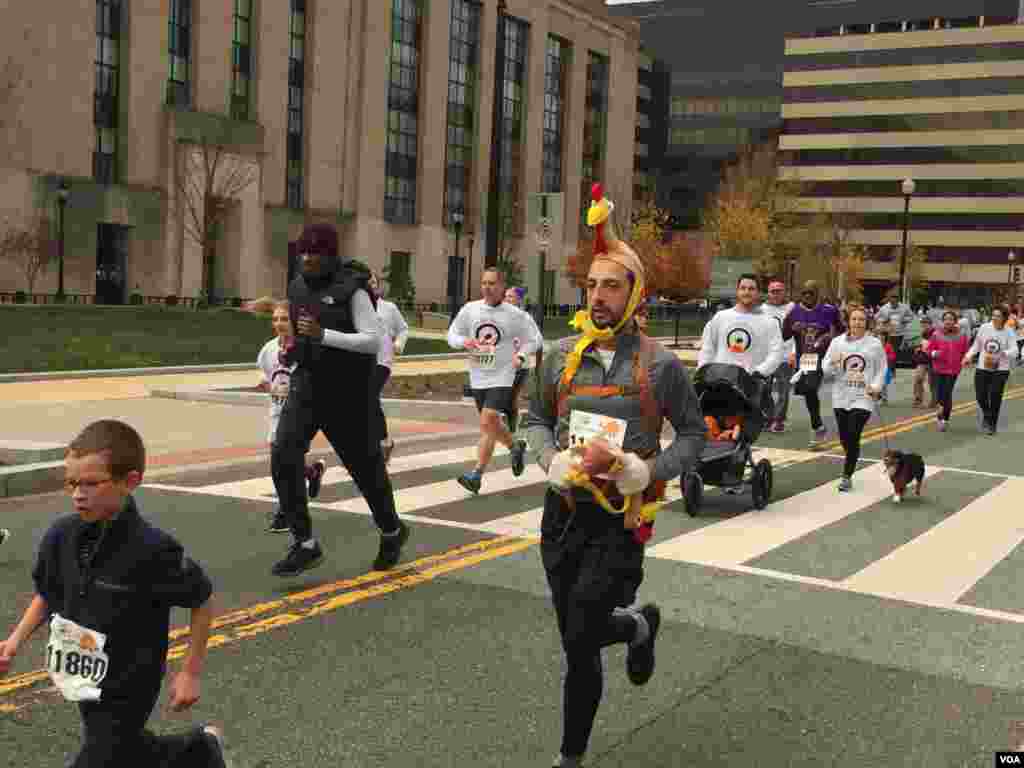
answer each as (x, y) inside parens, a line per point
(377, 583)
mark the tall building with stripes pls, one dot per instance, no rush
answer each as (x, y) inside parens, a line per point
(375, 114)
(872, 101)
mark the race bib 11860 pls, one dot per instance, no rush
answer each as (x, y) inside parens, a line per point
(75, 659)
(584, 426)
(483, 357)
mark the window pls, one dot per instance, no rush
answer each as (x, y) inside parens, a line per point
(556, 68)
(295, 130)
(241, 61)
(889, 26)
(105, 101)
(463, 73)
(643, 121)
(594, 126)
(641, 150)
(643, 91)
(403, 110)
(513, 116)
(179, 50)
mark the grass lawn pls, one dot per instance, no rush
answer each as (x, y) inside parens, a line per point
(67, 338)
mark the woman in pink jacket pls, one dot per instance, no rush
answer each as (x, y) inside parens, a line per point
(946, 347)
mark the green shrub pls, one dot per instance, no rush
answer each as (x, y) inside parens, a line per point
(136, 299)
(171, 301)
(20, 297)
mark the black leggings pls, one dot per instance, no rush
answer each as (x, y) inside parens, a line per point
(591, 572)
(115, 734)
(351, 428)
(944, 384)
(851, 423)
(381, 377)
(989, 386)
(814, 408)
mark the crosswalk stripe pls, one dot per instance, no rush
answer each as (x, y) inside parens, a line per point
(740, 539)
(943, 563)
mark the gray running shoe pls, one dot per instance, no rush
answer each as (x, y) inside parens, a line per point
(845, 485)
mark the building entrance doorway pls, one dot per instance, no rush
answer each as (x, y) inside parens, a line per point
(111, 263)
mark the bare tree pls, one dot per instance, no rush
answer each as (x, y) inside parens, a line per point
(208, 179)
(30, 247)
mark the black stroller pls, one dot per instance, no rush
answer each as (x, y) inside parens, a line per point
(728, 390)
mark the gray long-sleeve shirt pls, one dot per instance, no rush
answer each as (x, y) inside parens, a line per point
(671, 387)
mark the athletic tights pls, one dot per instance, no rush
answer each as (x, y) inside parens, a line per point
(989, 386)
(851, 423)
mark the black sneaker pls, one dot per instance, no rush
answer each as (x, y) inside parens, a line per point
(518, 454)
(391, 549)
(298, 559)
(640, 658)
(277, 523)
(215, 741)
(470, 481)
(316, 477)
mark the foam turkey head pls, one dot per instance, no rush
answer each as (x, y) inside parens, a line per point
(597, 457)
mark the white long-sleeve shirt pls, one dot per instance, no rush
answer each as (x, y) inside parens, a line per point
(993, 348)
(779, 312)
(494, 328)
(752, 340)
(366, 338)
(395, 332)
(855, 365)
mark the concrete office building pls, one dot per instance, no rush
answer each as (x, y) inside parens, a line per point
(375, 114)
(869, 102)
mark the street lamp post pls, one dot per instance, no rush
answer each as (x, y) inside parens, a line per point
(63, 192)
(1011, 257)
(469, 271)
(908, 190)
(455, 274)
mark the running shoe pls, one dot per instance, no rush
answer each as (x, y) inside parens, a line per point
(4, 535)
(942, 425)
(640, 657)
(391, 549)
(277, 523)
(518, 454)
(316, 477)
(779, 427)
(846, 484)
(298, 559)
(818, 436)
(470, 481)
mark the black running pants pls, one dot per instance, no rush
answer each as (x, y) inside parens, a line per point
(381, 376)
(592, 569)
(350, 425)
(988, 387)
(944, 384)
(115, 733)
(850, 422)
(814, 408)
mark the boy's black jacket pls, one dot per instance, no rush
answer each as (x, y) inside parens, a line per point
(137, 573)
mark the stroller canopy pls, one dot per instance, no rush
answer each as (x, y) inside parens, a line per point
(731, 388)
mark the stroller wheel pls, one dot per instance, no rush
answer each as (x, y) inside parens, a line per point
(761, 483)
(693, 493)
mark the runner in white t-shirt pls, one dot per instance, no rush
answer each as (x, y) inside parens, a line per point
(743, 335)
(514, 296)
(394, 335)
(778, 306)
(276, 381)
(487, 329)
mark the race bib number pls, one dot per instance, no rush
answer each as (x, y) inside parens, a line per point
(483, 357)
(809, 362)
(584, 426)
(855, 380)
(75, 659)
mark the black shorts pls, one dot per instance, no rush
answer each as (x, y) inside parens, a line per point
(496, 398)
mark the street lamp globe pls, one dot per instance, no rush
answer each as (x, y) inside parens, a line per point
(908, 187)
(63, 192)
(1011, 257)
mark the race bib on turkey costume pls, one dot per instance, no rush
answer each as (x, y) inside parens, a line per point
(809, 362)
(75, 659)
(584, 426)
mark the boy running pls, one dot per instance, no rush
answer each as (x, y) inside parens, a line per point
(105, 581)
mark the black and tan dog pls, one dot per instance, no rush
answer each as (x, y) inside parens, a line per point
(902, 468)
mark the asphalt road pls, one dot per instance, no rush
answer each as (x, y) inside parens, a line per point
(825, 630)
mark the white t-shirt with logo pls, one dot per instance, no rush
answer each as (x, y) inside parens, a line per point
(495, 329)
(861, 364)
(994, 349)
(752, 340)
(278, 377)
(779, 312)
